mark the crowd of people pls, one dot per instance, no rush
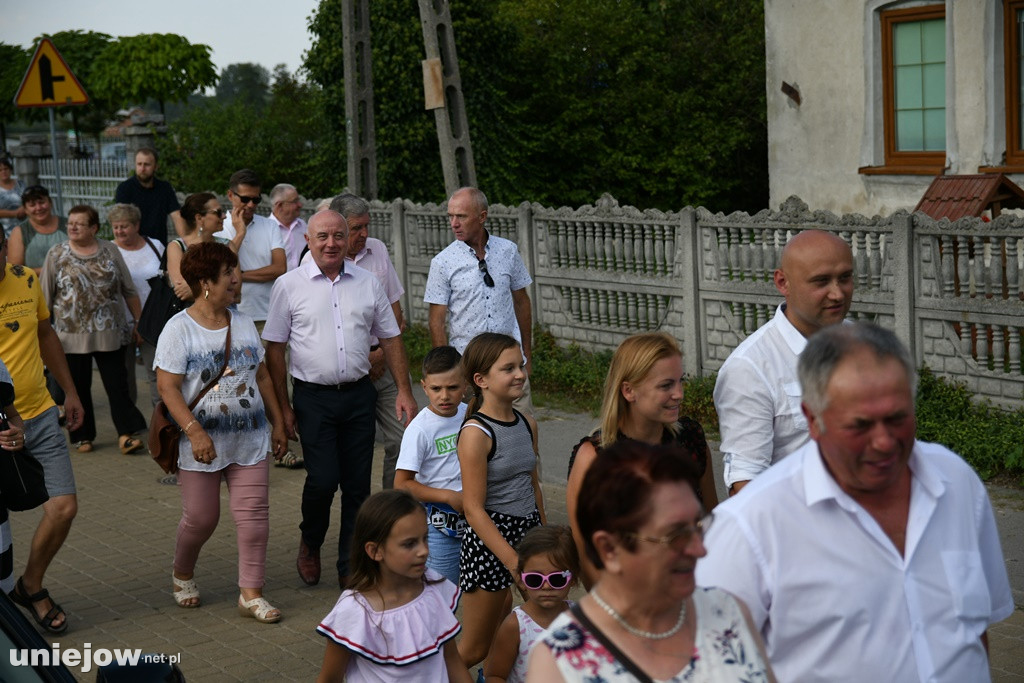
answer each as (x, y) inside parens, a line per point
(847, 550)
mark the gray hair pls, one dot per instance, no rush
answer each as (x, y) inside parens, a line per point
(350, 205)
(124, 212)
(826, 348)
(279, 190)
(478, 198)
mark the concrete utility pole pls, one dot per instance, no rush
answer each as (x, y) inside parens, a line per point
(443, 93)
(360, 135)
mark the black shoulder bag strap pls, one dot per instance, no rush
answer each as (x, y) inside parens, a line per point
(625, 661)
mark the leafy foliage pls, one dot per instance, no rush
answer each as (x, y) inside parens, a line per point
(247, 83)
(661, 103)
(214, 139)
(15, 61)
(162, 66)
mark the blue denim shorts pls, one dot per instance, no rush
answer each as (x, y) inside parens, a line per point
(444, 554)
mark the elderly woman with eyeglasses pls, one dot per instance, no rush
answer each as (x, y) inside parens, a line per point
(203, 216)
(88, 288)
(645, 619)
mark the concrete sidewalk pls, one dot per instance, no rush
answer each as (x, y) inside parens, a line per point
(113, 574)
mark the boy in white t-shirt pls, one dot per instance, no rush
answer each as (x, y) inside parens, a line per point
(428, 464)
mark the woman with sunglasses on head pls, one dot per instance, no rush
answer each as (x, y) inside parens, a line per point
(204, 216)
(645, 619)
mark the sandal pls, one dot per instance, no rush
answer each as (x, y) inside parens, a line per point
(19, 596)
(83, 446)
(259, 609)
(186, 590)
(129, 444)
(291, 460)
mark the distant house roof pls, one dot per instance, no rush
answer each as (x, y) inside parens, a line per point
(956, 196)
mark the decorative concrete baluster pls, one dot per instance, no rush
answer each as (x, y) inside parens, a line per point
(579, 256)
(874, 261)
(641, 311)
(620, 310)
(734, 254)
(602, 307)
(639, 254)
(659, 249)
(566, 298)
(609, 246)
(963, 265)
(652, 312)
(632, 317)
(650, 264)
(981, 343)
(1012, 268)
(560, 259)
(745, 256)
(965, 339)
(979, 280)
(749, 318)
(860, 260)
(588, 241)
(757, 262)
(670, 250)
(998, 349)
(617, 246)
(722, 249)
(944, 274)
(628, 255)
(995, 266)
(574, 296)
(1013, 349)
(661, 308)
(595, 312)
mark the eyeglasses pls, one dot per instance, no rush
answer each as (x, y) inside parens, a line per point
(557, 580)
(218, 212)
(249, 200)
(482, 265)
(679, 539)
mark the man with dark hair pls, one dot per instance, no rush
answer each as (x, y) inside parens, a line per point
(866, 555)
(154, 197)
(261, 256)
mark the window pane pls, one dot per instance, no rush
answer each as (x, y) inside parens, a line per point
(906, 43)
(909, 131)
(933, 40)
(934, 85)
(934, 130)
(908, 87)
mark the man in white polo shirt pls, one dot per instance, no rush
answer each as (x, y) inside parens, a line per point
(261, 257)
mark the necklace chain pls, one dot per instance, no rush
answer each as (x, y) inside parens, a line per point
(640, 633)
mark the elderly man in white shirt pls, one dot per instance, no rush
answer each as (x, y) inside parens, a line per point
(371, 254)
(866, 555)
(478, 283)
(261, 256)
(757, 395)
(285, 209)
(328, 304)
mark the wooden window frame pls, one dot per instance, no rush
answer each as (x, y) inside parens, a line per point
(897, 161)
(1011, 72)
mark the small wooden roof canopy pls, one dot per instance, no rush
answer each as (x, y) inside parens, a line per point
(956, 196)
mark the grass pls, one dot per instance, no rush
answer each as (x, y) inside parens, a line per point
(572, 379)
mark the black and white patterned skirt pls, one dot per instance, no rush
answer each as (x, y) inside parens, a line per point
(478, 566)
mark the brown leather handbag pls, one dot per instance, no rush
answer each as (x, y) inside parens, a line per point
(164, 434)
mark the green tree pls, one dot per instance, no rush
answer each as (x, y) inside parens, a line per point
(281, 143)
(246, 82)
(162, 66)
(15, 61)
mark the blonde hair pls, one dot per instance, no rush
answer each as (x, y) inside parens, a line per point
(631, 362)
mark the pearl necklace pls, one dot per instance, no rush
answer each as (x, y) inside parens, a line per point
(639, 633)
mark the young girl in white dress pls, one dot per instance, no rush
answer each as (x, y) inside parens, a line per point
(397, 621)
(548, 567)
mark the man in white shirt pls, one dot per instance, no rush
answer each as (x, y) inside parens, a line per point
(261, 257)
(757, 395)
(325, 312)
(478, 284)
(866, 555)
(371, 254)
(286, 207)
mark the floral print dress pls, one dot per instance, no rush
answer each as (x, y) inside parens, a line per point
(724, 651)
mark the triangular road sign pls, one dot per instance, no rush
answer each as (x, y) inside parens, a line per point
(49, 81)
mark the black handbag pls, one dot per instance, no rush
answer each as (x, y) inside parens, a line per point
(22, 482)
(161, 304)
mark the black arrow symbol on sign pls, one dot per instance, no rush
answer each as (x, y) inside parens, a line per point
(46, 78)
